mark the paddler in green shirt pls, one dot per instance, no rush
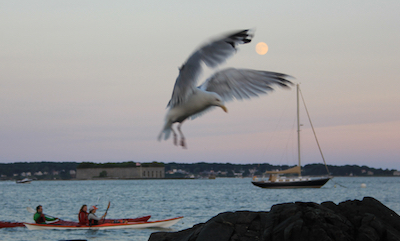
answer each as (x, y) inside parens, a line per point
(39, 217)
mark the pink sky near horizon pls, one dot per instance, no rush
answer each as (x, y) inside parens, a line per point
(89, 81)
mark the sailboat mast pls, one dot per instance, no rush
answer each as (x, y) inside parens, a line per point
(298, 128)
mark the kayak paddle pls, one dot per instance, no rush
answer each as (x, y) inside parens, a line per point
(31, 210)
(104, 219)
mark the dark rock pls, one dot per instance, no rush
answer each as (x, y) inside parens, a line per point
(366, 220)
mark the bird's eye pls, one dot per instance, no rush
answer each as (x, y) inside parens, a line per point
(217, 99)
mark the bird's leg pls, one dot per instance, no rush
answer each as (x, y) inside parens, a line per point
(175, 137)
(183, 144)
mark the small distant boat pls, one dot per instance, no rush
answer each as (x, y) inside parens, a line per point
(277, 181)
(25, 180)
(124, 225)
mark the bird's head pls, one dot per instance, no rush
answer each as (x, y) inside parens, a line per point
(216, 100)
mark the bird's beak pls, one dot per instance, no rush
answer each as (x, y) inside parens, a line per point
(224, 108)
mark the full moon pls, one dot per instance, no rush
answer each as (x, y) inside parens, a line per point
(261, 48)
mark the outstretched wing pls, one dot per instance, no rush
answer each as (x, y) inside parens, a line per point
(241, 84)
(211, 55)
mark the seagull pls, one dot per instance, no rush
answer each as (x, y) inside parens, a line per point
(191, 101)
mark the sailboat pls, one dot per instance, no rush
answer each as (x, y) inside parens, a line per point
(276, 180)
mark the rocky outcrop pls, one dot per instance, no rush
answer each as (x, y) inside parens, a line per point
(366, 220)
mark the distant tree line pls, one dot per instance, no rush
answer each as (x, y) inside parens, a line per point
(346, 170)
(7, 170)
(229, 169)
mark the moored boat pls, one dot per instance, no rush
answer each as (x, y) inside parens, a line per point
(295, 182)
(277, 181)
(123, 225)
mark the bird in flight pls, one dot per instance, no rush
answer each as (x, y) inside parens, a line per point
(190, 101)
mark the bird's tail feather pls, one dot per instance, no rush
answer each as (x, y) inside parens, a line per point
(166, 132)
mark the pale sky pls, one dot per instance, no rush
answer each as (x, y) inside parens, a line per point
(90, 80)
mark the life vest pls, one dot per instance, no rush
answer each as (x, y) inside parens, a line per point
(41, 219)
(93, 221)
(83, 218)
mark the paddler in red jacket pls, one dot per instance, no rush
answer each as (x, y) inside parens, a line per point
(83, 216)
(39, 217)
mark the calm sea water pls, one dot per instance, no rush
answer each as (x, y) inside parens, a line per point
(197, 200)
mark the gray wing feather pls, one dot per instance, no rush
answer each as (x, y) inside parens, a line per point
(241, 84)
(211, 55)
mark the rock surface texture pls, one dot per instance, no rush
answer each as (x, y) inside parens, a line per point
(366, 220)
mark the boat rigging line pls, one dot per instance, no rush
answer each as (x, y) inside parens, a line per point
(312, 127)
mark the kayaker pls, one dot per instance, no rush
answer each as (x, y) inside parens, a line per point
(39, 217)
(93, 219)
(83, 216)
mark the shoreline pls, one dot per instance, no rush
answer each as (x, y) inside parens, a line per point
(113, 179)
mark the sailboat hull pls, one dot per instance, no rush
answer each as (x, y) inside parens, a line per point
(312, 183)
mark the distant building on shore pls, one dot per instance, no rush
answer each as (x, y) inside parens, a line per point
(125, 170)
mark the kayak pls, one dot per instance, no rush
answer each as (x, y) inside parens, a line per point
(125, 225)
(131, 225)
(10, 224)
(124, 220)
(71, 223)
